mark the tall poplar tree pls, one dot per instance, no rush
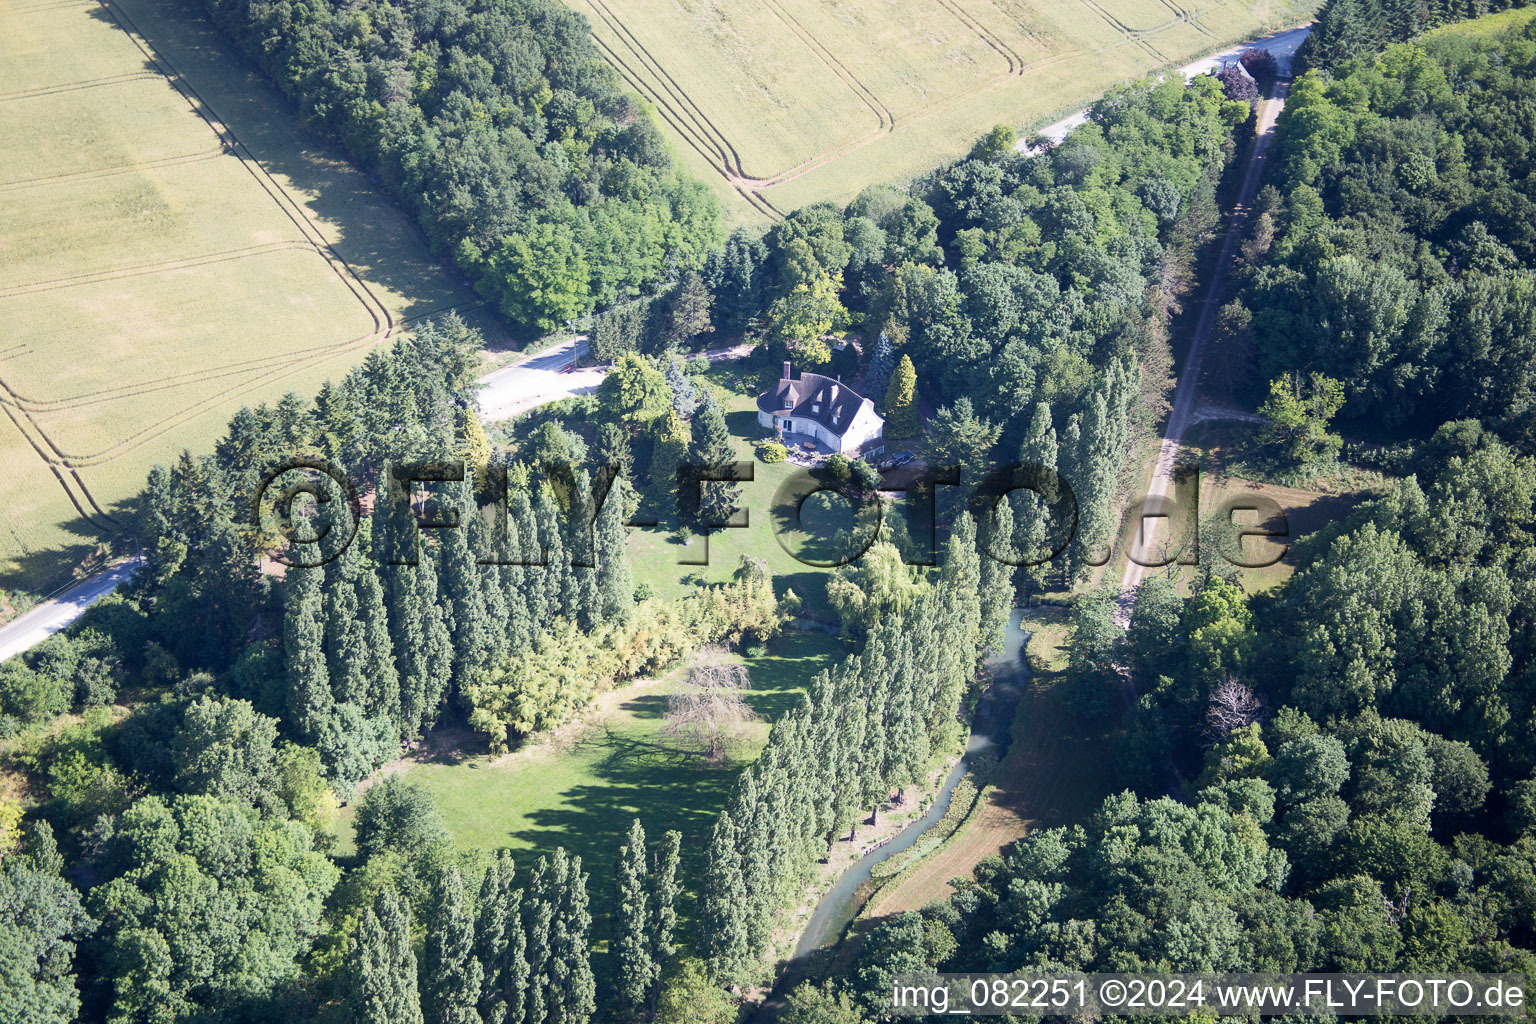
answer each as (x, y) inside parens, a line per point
(959, 620)
(1032, 526)
(309, 701)
(451, 975)
(633, 963)
(725, 904)
(997, 591)
(382, 967)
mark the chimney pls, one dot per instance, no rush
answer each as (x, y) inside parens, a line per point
(786, 369)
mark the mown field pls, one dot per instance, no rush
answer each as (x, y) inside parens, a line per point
(788, 102)
(173, 245)
(660, 556)
(581, 788)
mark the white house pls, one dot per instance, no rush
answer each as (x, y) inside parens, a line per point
(823, 408)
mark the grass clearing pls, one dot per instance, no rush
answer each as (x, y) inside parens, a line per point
(581, 788)
(790, 102)
(655, 552)
(1487, 25)
(174, 246)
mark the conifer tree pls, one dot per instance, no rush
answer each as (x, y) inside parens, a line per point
(309, 702)
(669, 453)
(382, 967)
(462, 591)
(997, 591)
(528, 551)
(346, 639)
(687, 314)
(685, 397)
(575, 989)
(432, 663)
(558, 574)
(724, 917)
(663, 890)
(612, 449)
(493, 596)
(633, 963)
(711, 450)
(451, 975)
(881, 364)
(501, 946)
(538, 926)
(901, 401)
(615, 584)
(584, 550)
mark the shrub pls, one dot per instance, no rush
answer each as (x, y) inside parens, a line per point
(97, 681)
(400, 816)
(32, 696)
(1260, 64)
(772, 451)
(697, 365)
(839, 467)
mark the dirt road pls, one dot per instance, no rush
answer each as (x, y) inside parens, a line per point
(1180, 418)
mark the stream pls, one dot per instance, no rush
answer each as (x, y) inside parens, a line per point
(990, 733)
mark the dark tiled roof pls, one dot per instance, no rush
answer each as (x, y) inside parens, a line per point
(814, 397)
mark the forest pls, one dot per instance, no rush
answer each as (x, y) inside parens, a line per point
(1336, 774)
(1333, 774)
(498, 124)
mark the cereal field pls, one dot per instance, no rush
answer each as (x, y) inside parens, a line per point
(172, 246)
(786, 102)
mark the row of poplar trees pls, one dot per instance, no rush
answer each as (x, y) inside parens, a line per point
(517, 955)
(375, 645)
(867, 727)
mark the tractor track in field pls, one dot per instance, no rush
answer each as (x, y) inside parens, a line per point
(93, 83)
(268, 374)
(109, 172)
(165, 266)
(709, 132)
(649, 76)
(66, 465)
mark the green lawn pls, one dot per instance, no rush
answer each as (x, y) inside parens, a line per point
(581, 791)
(655, 553)
(1487, 25)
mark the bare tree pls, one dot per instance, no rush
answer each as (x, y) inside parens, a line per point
(708, 714)
(1233, 705)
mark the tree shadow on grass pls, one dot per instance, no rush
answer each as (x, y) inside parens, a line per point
(376, 237)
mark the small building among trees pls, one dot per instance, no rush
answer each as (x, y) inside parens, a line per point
(824, 409)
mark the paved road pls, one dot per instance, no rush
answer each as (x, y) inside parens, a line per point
(1181, 416)
(54, 614)
(1283, 45)
(537, 380)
